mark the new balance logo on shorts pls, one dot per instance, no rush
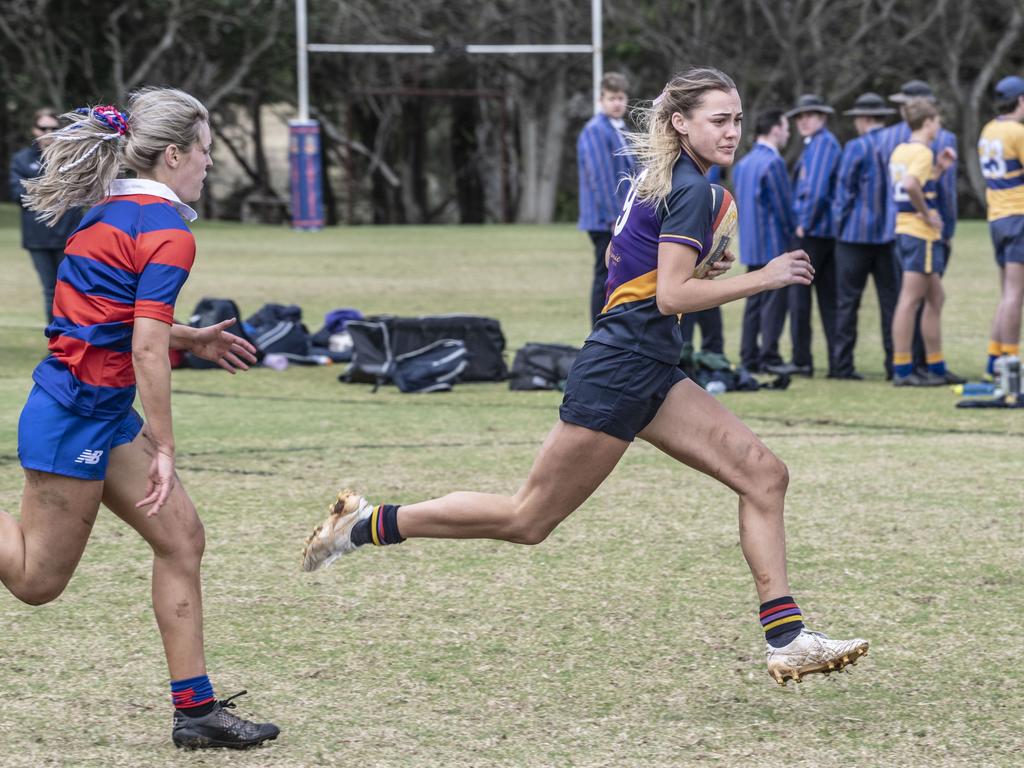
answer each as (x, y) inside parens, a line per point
(89, 457)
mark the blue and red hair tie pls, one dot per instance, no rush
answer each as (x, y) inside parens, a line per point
(109, 115)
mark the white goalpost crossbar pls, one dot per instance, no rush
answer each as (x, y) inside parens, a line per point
(304, 48)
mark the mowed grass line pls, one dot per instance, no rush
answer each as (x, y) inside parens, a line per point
(628, 638)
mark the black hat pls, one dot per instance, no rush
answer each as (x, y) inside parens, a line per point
(870, 105)
(810, 102)
(913, 89)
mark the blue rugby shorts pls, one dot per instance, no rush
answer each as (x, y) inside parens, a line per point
(52, 438)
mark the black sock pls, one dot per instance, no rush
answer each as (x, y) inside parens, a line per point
(380, 528)
(200, 711)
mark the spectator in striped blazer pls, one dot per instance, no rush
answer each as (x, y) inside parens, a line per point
(764, 200)
(603, 164)
(864, 218)
(814, 179)
(888, 139)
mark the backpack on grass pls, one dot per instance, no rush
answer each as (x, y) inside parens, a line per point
(542, 366)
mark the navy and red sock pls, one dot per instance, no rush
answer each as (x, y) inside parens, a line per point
(193, 696)
(781, 620)
(380, 528)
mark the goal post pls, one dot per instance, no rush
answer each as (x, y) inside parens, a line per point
(304, 140)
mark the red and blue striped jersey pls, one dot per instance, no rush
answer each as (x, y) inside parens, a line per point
(128, 258)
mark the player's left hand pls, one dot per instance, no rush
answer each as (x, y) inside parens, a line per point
(230, 352)
(721, 266)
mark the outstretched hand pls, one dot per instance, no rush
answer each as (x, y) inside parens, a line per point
(230, 352)
(791, 268)
(945, 159)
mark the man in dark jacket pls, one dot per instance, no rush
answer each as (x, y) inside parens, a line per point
(45, 244)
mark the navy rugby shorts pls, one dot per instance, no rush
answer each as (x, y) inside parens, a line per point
(615, 391)
(52, 438)
(917, 255)
(1008, 239)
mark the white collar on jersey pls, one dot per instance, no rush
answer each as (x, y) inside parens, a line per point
(772, 147)
(155, 188)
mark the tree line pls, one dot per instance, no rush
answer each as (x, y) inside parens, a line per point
(457, 138)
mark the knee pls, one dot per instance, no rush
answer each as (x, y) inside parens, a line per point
(189, 541)
(767, 475)
(41, 592)
(529, 529)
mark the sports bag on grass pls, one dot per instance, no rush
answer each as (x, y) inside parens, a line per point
(542, 366)
(434, 368)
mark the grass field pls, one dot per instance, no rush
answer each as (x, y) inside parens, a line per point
(629, 638)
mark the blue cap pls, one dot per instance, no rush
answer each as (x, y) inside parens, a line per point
(1009, 88)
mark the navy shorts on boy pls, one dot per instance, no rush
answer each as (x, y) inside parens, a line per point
(1008, 239)
(52, 438)
(614, 391)
(630, 361)
(917, 255)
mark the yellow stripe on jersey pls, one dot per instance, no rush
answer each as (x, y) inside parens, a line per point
(683, 240)
(1001, 154)
(637, 289)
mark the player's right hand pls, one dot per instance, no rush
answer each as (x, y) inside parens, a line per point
(161, 481)
(791, 268)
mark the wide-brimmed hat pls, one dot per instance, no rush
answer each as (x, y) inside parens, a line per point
(870, 105)
(810, 102)
(913, 89)
(1010, 88)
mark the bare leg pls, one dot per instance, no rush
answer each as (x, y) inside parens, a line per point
(694, 428)
(39, 552)
(1010, 306)
(997, 319)
(911, 293)
(571, 464)
(177, 539)
(931, 317)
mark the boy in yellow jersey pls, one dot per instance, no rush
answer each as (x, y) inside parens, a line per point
(1001, 153)
(914, 171)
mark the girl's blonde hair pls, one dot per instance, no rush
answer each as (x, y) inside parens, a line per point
(657, 144)
(85, 157)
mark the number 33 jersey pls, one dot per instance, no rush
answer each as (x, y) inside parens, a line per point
(1001, 153)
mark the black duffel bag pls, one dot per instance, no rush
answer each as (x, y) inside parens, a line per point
(210, 311)
(542, 366)
(485, 343)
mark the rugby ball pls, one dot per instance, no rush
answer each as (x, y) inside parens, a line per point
(725, 220)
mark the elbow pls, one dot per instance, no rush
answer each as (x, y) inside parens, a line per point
(669, 305)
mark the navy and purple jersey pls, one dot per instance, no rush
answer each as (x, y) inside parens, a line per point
(630, 319)
(814, 184)
(128, 258)
(862, 209)
(764, 201)
(891, 137)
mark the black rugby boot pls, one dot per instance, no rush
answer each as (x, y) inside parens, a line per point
(220, 728)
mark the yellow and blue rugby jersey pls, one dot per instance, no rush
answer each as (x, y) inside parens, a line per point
(917, 160)
(630, 319)
(1001, 152)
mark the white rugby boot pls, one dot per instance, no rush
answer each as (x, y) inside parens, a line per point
(812, 652)
(333, 538)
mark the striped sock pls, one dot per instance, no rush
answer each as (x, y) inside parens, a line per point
(995, 349)
(380, 528)
(781, 621)
(936, 364)
(193, 696)
(902, 364)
